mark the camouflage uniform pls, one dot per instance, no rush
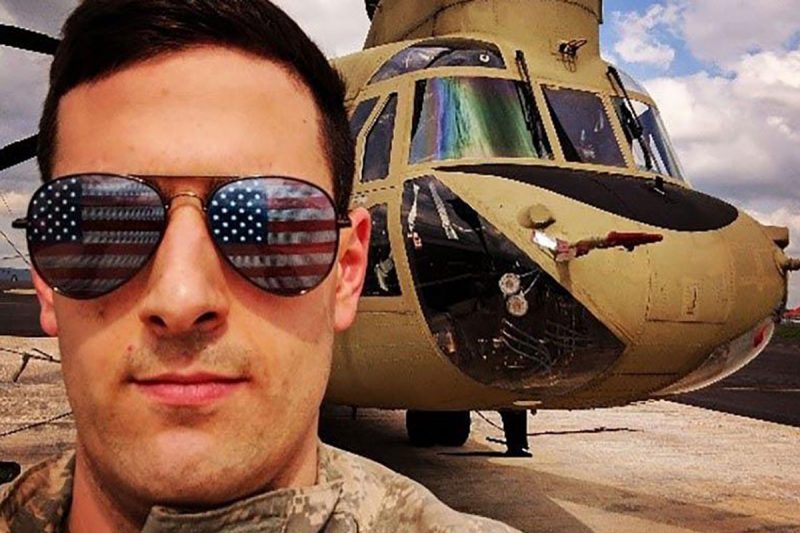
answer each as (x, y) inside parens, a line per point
(352, 494)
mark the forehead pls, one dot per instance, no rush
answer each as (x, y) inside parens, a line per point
(206, 111)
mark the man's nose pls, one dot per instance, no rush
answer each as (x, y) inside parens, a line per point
(186, 291)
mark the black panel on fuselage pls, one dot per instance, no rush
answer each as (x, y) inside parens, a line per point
(677, 208)
(550, 346)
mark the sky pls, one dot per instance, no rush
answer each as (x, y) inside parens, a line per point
(725, 74)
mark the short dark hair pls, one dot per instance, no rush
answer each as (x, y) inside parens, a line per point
(102, 37)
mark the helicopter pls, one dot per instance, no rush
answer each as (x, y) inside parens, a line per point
(536, 243)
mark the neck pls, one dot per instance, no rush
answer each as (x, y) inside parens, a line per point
(94, 510)
(97, 509)
(300, 470)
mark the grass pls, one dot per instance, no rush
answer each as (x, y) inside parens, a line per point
(788, 331)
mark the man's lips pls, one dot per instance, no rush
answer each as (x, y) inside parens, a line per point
(184, 390)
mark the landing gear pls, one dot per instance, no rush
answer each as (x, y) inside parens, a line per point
(515, 427)
(445, 428)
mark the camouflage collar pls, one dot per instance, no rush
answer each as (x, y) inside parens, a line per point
(39, 499)
(306, 509)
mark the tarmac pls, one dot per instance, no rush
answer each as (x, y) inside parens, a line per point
(714, 462)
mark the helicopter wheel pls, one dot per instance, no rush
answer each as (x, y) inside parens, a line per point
(454, 428)
(446, 428)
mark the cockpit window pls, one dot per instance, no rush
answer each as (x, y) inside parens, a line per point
(631, 84)
(378, 151)
(583, 127)
(381, 278)
(664, 160)
(449, 53)
(466, 117)
(360, 116)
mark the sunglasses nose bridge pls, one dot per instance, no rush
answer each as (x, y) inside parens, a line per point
(184, 194)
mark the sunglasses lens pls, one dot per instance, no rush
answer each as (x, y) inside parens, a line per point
(89, 234)
(279, 233)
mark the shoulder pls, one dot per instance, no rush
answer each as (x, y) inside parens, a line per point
(39, 498)
(383, 500)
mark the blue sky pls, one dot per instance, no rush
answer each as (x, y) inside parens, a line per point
(725, 74)
(620, 11)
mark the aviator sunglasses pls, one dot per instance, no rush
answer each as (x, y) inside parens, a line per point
(88, 234)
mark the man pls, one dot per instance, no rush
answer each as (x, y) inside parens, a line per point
(194, 255)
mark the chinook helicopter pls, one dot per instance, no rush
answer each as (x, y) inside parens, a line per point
(536, 244)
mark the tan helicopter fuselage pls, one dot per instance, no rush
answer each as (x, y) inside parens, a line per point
(685, 311)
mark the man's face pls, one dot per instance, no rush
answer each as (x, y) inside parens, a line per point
(203, 112)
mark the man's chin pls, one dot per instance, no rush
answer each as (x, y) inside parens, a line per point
(188, 468)
(184, 446)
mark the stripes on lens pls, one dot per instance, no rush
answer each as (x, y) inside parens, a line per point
(279, 233)
(89, 234)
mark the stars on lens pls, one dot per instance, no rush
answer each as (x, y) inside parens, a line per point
(236, 214)
(55, 215)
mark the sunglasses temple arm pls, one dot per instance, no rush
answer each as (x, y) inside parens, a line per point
(20, 223)
(344, 222)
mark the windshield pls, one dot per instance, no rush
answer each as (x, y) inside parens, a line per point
(631, 84)
(583, 127)
(466, 117)
(653, 133)
(452, 53)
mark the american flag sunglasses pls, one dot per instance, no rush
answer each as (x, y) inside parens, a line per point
(88, 234)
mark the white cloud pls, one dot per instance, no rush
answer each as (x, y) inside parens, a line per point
(5, 16)
(770, 76)
(43, 16)
(22, 93)
(738, 136)
(638, 40)
(718, 32)
(721, 31)
(338, 27)
(14, 201)
(794, 291)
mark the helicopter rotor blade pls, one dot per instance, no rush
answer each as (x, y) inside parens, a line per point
(27, 40)
(18, 152)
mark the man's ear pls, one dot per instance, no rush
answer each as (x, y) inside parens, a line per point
(47, 317)
(353, 257)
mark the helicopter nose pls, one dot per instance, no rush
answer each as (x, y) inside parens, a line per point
(731, 277)
(497, 316)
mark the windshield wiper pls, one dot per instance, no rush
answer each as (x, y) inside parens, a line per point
(634, 125)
